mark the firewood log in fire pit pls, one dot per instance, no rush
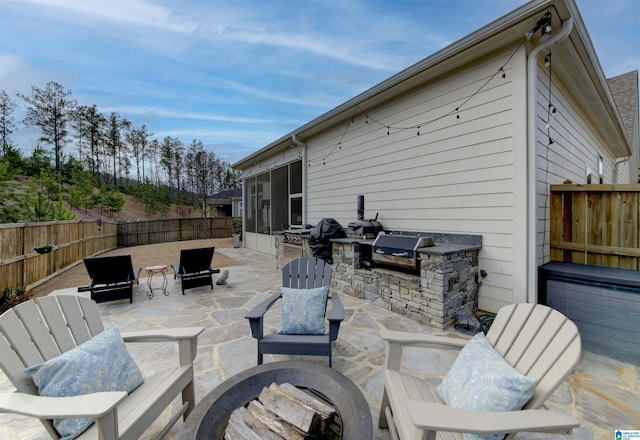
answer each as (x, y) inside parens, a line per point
(281, 412)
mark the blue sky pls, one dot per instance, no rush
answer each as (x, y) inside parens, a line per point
(240, 74)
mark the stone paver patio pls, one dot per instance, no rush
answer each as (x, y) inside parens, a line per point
(603, 394)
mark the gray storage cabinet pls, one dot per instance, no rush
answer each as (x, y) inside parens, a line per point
(603, 302)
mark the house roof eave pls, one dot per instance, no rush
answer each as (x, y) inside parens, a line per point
(513, 26)
(577, 63)
(578, 60)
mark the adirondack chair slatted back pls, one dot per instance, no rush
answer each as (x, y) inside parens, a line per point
(31, 333)
(539, 342)
(306, 273)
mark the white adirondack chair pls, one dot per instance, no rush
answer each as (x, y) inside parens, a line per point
(536, 340)
(33, 332)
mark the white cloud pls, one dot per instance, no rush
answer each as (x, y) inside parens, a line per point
(137, 12)
(164, 113)
(9, 64)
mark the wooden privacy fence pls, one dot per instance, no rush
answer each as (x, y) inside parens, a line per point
(179, 229)
(22, 267)
(596, 224)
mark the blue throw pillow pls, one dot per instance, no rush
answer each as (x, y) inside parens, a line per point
(100, 364)
(481, 380)
(303, 311)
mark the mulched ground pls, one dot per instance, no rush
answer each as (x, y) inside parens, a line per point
(141, 256)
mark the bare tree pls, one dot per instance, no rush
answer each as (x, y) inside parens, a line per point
(168, 151)
(112, 141)
(91, 125)
(79, 124)
(178, 162)
(153, 155)
(7, 121)
(138, 139)
(201, 169)
(50, 109)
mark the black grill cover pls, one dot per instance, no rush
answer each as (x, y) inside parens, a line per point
(322, 233)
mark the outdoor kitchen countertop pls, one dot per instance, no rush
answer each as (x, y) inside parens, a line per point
(439, 248)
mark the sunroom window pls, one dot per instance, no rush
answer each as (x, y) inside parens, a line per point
(274, 199)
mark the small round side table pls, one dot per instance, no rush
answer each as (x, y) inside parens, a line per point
(162, 269)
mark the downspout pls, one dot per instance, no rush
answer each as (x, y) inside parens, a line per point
(532, 84)
(303, 147)
(616, 172)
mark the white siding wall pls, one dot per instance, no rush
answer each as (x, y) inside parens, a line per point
(456, 176)
(463, 175)
(576, 148)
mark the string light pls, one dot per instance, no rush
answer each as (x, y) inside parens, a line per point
(543, 24)
(551, 109)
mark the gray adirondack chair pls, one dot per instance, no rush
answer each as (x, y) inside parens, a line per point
(536, 340)
(303, 273)
(33, 332)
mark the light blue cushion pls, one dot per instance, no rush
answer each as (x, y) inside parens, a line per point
(481, 380)
(100, 364)
(303, 311)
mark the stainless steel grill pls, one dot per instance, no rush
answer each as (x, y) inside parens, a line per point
(399, 250)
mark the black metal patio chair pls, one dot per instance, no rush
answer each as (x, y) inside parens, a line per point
(194, 268)
(112, 278)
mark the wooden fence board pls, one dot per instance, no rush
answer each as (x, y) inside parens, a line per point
(594, 227)
(555, 205)
(628, 227)
(578, 226)
(611, 214)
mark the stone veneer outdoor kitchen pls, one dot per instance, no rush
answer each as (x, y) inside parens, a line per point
(445, 284)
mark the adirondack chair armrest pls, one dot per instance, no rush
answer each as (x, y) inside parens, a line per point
(336, 312)
(255, 315)
(424, 340)
(93, 405)
(259, 310)
(431, 416)
(162, 335)
(398, 340)
(187, 337)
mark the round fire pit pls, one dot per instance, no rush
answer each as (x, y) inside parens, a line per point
(210, 417)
